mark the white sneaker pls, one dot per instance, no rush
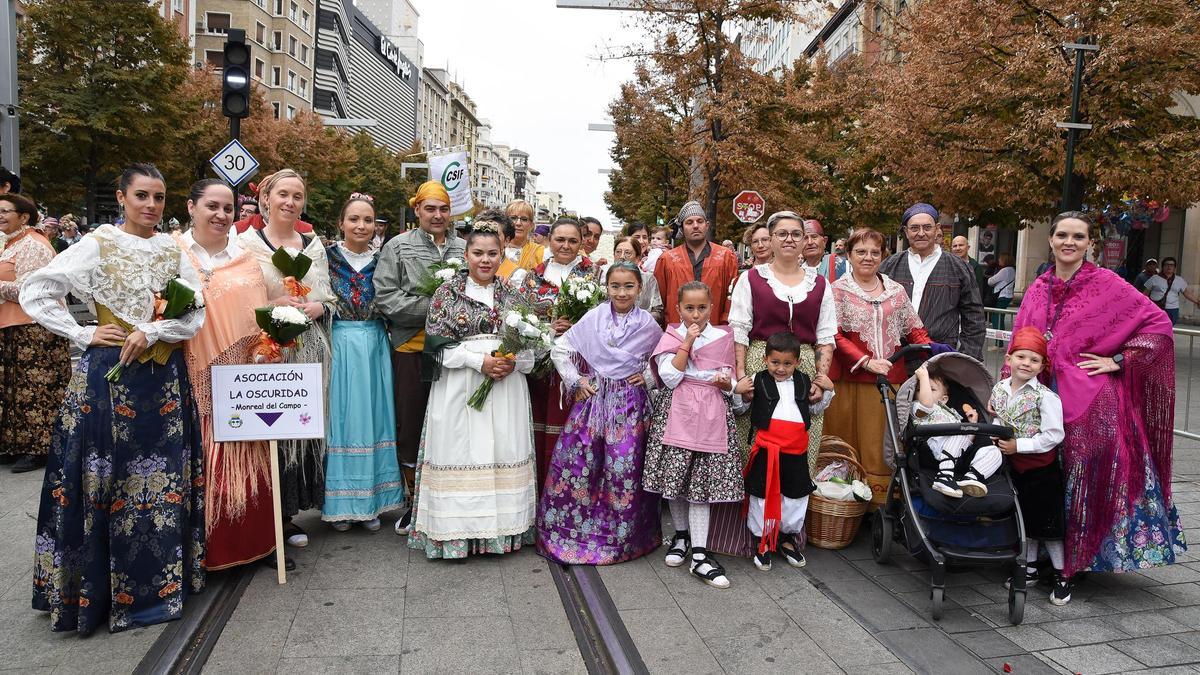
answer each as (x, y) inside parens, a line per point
(298, 537)
(341, 525)
(371, 525)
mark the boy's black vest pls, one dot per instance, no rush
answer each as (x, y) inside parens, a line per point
(766, 397)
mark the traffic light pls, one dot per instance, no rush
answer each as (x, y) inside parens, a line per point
(235, 80)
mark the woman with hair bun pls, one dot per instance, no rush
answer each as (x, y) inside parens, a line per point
(120, 532)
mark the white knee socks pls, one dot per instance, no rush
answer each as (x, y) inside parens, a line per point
(679, 513)
(698, 519)
(1055, 549)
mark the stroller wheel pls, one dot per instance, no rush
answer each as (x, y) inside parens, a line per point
(881, 537)
(937, 596)
(1016, 606)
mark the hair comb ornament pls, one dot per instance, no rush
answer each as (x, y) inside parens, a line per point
(362, 195)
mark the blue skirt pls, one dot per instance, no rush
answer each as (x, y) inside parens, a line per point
(362, 476)
(120, 531)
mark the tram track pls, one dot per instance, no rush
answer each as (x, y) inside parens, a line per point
(604, 642)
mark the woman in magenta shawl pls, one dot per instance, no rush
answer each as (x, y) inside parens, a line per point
(1112, 361)
(593, 510)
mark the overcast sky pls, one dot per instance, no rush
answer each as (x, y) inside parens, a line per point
(533, 72)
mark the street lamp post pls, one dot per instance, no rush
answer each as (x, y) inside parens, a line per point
(1074, 126)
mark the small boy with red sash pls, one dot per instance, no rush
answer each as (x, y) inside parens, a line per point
(777, 478)
(1035, 413)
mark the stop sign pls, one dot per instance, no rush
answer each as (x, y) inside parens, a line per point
(749, 206)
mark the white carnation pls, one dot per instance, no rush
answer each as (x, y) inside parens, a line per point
(199, 295)
(582, 295)
(512, 319)
(529, 331)
(293, 252)
(456, 263)
(288, 314)
(533, 320)
(444, 274)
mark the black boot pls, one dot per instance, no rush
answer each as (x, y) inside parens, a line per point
(28, 463)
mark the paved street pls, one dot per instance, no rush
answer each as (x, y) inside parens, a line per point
(361, 602)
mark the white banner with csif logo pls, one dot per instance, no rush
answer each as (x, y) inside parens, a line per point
(451, 170)
(268, 402)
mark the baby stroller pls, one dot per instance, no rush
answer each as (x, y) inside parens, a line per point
(936, 529)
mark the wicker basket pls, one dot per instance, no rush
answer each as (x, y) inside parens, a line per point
(835, 445)
(831, 523)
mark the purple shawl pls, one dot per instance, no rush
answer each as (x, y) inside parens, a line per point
(614, 346)
(1114, 422)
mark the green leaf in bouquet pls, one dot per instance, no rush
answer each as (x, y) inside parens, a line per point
(179, 299)
(291, 267)
(262, 316)
(286, 332)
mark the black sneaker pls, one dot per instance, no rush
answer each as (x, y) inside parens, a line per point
(945, 484)
(1031, 577)
(1061, 594)
(288, 563)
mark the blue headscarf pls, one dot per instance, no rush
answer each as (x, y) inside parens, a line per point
(917, 209)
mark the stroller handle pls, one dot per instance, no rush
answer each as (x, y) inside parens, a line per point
(991, 430)
(881, 380)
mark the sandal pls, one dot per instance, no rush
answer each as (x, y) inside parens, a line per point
(681, 542)
(708, 569)
(791, 553)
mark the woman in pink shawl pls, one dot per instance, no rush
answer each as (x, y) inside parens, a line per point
(593, 510)
(1113, 365)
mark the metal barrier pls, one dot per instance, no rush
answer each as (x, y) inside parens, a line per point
(1186, 339)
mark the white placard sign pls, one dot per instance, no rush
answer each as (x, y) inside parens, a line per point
(268, 402)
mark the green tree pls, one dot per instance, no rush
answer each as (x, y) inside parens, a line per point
(97, 79)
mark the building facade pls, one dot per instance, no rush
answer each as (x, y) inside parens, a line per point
(183, 14)
(433, 119)
(282, 39)
(492, 173)
(464, 120)
(524, 177)
(397, 20)
(549, 206)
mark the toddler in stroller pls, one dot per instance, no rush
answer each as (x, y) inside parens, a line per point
(965, 463)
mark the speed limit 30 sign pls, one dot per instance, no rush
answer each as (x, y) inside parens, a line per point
(234, 163)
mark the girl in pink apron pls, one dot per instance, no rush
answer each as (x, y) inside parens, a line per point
(692, 458)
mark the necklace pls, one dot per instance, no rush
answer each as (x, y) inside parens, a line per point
(878, 283)
(1058, 307)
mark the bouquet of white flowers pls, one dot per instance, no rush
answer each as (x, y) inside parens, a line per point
(522, 330)
(576, 296)
(281, 326)
(438, 274)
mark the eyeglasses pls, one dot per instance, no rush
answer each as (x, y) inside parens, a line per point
(921, 228)
(521, 219)
(5, 212)
(784, 235)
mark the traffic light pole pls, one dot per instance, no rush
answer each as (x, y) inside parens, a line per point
(1073, 127)
(235, 128)
(10, 142)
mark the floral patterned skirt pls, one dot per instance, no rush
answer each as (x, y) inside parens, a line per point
(120, 530)
(698, 477)
(35, 366)
(593, 510)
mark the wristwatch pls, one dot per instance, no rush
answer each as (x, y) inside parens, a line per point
(1119, 359)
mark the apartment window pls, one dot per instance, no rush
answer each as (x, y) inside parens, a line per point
(278, 12)
(304, 20)
(216, 22)
(304, 54)
(294, 13)
(277, 41)
(303, 87)
(291, 82)
(259, 68)
(878, 18)
(260, 33)
(291, 113)
(177, 6)
(292, 45)
(275, 106)
(275, 79)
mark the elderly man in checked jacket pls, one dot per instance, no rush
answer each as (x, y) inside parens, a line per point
(941, 286)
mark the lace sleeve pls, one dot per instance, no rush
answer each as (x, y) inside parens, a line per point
(43, 290)
(28, 257)
(741, 310)
(183, 328)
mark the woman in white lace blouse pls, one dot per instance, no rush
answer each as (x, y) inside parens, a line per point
(120, 531)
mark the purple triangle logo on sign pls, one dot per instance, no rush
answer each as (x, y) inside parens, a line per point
(269, 418)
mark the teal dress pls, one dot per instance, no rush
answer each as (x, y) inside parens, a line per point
(362, 475)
